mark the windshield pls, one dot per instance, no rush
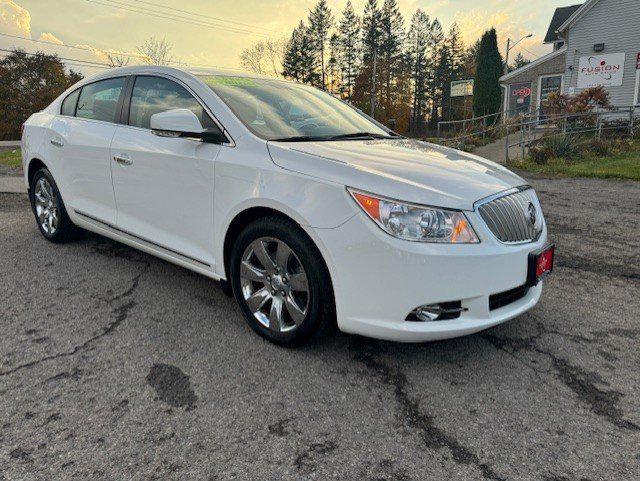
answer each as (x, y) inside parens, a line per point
(277, 110)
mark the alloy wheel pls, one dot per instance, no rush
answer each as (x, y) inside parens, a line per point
(274, 284)
(46, 206)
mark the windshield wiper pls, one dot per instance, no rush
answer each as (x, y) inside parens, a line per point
(359, 135)
(300, 138)
(353, 135)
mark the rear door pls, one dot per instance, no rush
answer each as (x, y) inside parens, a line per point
(80, 138)
(164, 186)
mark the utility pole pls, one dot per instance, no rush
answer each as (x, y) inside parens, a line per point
(506, 57)
(509, 47)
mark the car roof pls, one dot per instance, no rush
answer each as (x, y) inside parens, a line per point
(176, 72)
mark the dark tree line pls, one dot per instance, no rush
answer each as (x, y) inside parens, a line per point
(399, 75)
(28, 84)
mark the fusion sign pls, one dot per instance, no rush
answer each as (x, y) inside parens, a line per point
(601, 70)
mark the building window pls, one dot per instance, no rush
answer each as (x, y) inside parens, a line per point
(547, 85)
(636, 101)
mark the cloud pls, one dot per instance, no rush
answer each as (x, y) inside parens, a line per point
(14, 19)
(475, 22)
(51, 38)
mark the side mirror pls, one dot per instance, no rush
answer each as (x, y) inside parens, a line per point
(183, 123)
(176, 123)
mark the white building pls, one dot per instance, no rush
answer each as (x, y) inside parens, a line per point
(595, 43)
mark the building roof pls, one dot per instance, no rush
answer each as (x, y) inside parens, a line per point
(586, 6)
(535, 63)
(560, 16)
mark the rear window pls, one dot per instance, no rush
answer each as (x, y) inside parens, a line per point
(99, 100)
(69, 104)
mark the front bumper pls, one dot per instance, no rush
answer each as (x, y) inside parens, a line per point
(378, 280)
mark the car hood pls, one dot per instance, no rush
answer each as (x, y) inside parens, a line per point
(403, 169)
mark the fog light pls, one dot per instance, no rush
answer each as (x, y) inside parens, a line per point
(443, 311)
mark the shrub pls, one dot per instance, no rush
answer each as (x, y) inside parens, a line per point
(555, 146)
(598, 147)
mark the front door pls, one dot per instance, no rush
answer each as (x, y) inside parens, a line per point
(164, 186)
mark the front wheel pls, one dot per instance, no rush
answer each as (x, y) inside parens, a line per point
(281, 282)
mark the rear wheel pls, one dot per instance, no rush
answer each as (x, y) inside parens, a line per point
(280, 282)
(51, 216)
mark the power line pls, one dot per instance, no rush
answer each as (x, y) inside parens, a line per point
(131, 55)
(76, 47)
(173, 17)
(208, 16)
(87, 62)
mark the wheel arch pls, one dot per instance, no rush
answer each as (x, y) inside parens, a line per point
(34, 165)
(251, 214)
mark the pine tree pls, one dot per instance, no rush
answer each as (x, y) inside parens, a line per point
(299, 61)
(519, 62)
(433, 84)
(320, 23)
(391, 52)
(333, 70)
(418, 43)
(456, 52)
(371, 48)
(486, 88)
(350, 50)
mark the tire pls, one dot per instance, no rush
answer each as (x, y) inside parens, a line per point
(303, 314)
(48, 208)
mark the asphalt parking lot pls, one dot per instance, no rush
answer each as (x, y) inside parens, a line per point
(116, 365)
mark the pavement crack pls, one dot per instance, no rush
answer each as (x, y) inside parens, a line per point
(412, 416)
(582, 382)
(120, 314)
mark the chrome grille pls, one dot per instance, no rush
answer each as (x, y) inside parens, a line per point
(510, 216)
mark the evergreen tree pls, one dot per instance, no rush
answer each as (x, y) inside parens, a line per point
(333, 70)
(320, 23)
(391, 53)
(371, 48)
(486, 88)
(519, 62)
(299, 61)
(418, 43)
(434, 84)
(349, 49)
(456, 52)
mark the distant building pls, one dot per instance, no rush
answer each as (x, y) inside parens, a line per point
(595, 43)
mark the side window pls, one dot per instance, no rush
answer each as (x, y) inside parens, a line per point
(69, 103)
(99, 100)
(152, 95)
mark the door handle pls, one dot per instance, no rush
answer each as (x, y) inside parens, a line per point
(57, 142)
(123, 159)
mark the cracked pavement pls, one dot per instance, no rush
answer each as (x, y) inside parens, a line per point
(118, 365)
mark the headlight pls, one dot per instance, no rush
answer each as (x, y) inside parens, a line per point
(416, 223)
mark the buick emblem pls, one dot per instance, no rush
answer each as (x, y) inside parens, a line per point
(531, 211)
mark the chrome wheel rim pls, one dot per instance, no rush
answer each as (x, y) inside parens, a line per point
(46, 206)
(274, 284)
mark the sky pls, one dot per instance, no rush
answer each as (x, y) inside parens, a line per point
(96, 26)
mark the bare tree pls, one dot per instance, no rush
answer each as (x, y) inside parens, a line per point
(117, 60)
(252, 58)
(264, 57)
(156, 52)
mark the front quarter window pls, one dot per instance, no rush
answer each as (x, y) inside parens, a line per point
(276, 110)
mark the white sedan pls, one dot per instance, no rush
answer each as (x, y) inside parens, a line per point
(309, 211)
